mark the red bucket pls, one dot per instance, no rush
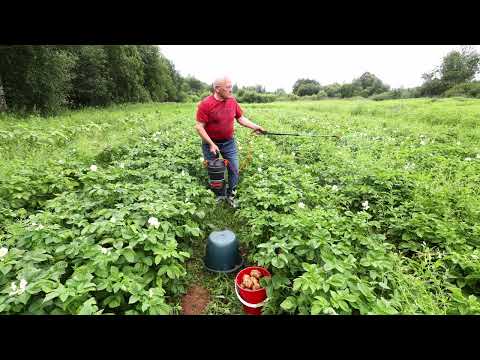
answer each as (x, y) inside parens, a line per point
(252, 300)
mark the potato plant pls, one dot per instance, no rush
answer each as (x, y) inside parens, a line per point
(100, 209)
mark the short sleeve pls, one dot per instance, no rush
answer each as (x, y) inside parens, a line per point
(202, 114)
(238, 111)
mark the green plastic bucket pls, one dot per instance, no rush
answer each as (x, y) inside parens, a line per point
(222, 252)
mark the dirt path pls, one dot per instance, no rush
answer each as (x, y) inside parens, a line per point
(195, 301)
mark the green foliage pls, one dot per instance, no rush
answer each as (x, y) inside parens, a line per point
(382, 220)
(333, 90)
(47, 79)
(156, 74)
(304, 203)
(347, 91)
(36, 78)
(304, 87)
(174, 88)
(257, 88)
(395, 94)
(246, 96)
(432, 86)
(457, 67)
(95, 250)
(466, 89)
(368, 84)
(91, 83)
(195, 89)
(125, 68)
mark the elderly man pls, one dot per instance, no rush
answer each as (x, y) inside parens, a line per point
(215, 125)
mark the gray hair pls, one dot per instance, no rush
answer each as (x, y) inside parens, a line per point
(220, 81)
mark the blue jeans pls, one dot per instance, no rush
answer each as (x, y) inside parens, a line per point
(229, 152)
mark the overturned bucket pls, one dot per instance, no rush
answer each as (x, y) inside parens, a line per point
(252, 300)
(222, 253)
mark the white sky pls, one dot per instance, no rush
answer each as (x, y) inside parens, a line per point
(279, 66)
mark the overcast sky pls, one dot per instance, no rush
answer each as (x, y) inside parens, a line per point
(279, 66)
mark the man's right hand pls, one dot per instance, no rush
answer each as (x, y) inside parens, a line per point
(214, 149)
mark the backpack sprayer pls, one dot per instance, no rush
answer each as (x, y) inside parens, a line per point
(216, 170)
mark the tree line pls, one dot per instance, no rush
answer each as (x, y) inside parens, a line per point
(47, 78)
(454, 77)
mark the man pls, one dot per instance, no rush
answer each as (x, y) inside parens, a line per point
(215, 125)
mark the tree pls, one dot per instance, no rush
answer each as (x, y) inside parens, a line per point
(194, 85)
(154, 72)
(346, 90)
(260, 89)
(91, 82)
(313, 88)
(368, 84)
(306, 89)
(47, 78)
(459, 66)
(432, 86)
(333, 90)
(36, 77)
(175, 82)
(126, 71)
(470, 89)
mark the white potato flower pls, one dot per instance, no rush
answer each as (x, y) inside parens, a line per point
(13, 286)
(365, 205)
(334, 187)
(93, 168)
(3, 252)
(301, 205)
(153, 221)
(409, 166)
(23, 285)
(18, 290)
(105, 250)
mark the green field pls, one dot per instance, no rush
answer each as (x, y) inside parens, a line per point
(384, 219)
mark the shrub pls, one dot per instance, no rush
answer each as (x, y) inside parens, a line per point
(466, 89)
(254, 97)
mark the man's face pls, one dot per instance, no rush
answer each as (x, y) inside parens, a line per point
(225, 89)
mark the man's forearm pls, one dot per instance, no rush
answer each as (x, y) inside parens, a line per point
(203, 134)
(247, 123)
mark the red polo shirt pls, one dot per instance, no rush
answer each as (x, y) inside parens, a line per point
(218, 115)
